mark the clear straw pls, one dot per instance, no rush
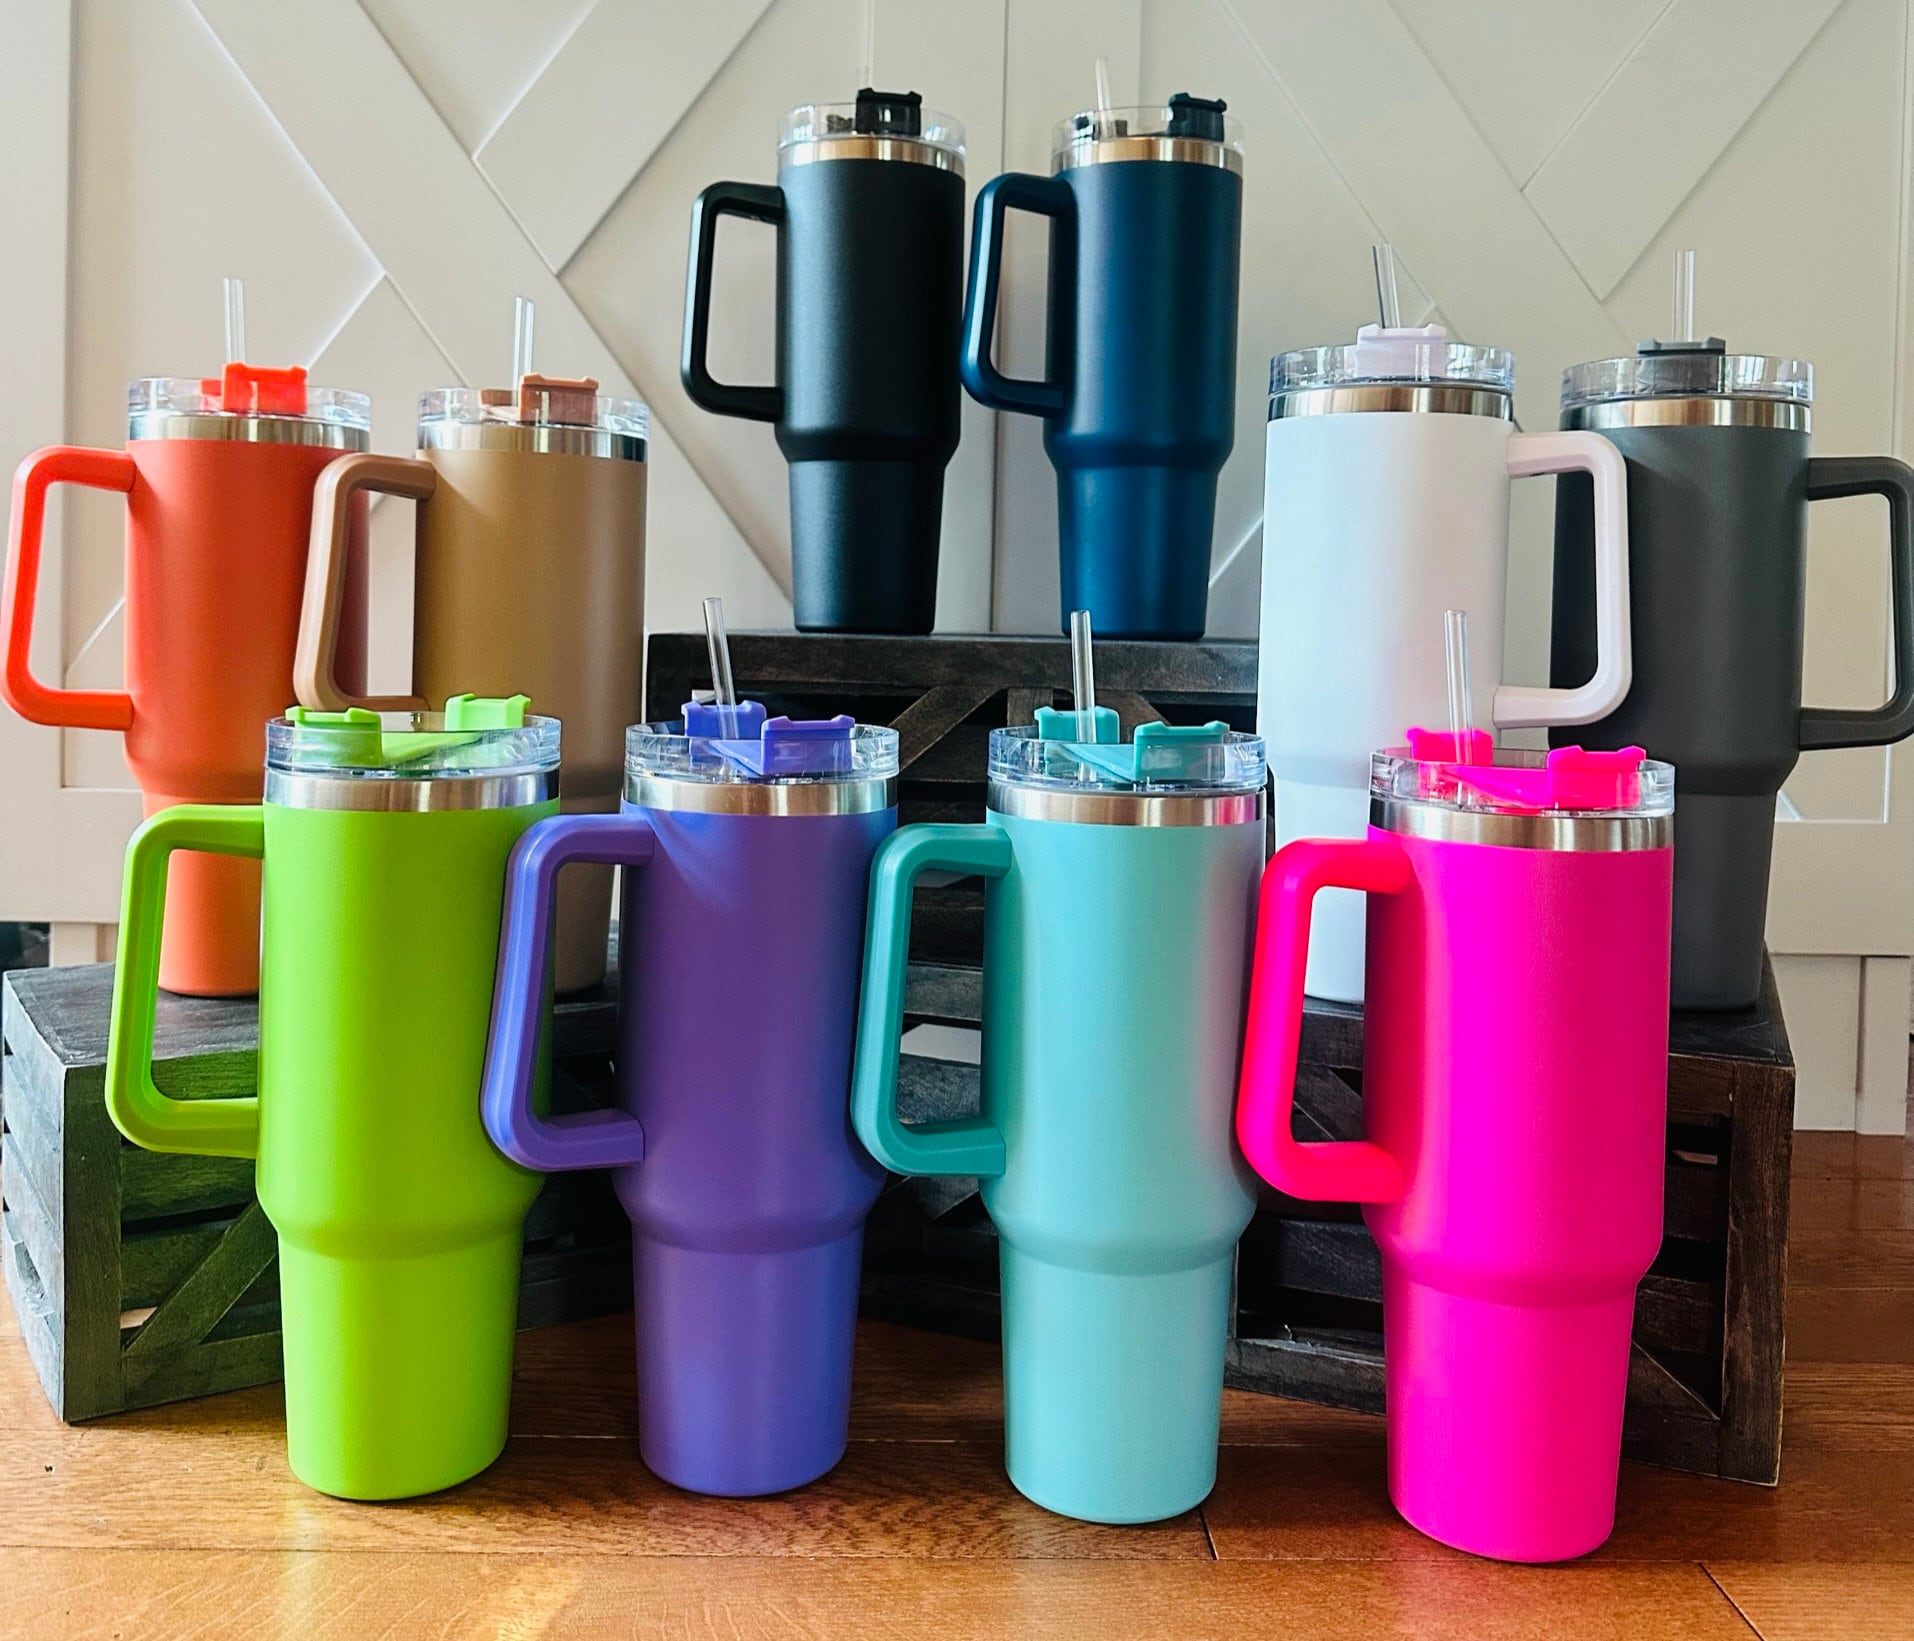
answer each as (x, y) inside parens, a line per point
(235, 294)
(1083, 676)
(1388, 303)
(1103, 85)
(724, 691)
(1455, 644)
(1684, 296)
(521, 339)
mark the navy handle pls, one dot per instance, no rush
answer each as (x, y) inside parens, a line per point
(738, 199)
(1831, 476)
(1044, 196)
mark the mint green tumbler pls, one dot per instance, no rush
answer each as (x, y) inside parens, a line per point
(385, 840)
(1119, 911)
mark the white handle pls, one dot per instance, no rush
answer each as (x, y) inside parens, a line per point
(1519, 706)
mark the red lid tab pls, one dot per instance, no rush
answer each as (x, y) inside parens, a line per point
(258, 390)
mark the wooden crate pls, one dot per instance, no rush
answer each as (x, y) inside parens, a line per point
(140, 1277)
(1705, 1385)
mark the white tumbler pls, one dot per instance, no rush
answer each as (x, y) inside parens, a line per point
(1386, 503)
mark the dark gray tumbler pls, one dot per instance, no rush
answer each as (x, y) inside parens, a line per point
(1719, 478)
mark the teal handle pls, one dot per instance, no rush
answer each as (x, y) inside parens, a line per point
(206, 1128)
(958, 1145)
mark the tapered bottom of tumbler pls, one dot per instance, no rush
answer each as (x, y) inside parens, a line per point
(744, 1363)
(1113, 1387)
(1723, 849)
(1135, 547)
(209, 944)
(1505, 1421)
(398, 1371)
(864, 538)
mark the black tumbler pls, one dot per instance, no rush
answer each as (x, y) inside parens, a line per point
(1719, 478)
(869, 209)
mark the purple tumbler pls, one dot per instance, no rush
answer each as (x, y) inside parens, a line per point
(747, 849)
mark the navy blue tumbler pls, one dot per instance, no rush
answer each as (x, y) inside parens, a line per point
(1138, 394)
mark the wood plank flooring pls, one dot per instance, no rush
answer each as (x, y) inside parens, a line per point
(185, 1522)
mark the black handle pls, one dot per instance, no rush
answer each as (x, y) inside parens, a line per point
(1831, 476)
(737, 199)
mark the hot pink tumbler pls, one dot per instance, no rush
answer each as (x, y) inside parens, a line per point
(1515, 1092)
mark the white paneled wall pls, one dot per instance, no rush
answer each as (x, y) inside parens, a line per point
(387, 174)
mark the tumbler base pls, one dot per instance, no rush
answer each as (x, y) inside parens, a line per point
(1136, 549)
(1723, 849)
(1113, 1387)
(864, 540)
(1505, 1421)
(744, 1363)
(398, 1371)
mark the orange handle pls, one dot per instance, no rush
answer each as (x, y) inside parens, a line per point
(314, 664)
(33, 700)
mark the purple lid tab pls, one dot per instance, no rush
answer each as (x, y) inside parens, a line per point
(799, 746)
(707, 720)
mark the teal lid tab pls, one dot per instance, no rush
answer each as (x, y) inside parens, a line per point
(1063, 724)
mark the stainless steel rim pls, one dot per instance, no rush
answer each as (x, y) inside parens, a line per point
(1788, 414)
(175, 424)
(548, 438)
(1435, 398)
(297, 790)
(1587, 834)
(908, 149)
(1126, 808)
(863, 797)
(1118, 150)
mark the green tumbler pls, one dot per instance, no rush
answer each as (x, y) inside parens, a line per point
(385, 839)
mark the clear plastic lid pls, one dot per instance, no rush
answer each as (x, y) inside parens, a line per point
(255, 395)
(1688, 370)
(1162, 760)
(1413, 354)
(875, 114)
(538, 401)
(1568, 781)
(1184, 128)
(750, 749)
(472, 737)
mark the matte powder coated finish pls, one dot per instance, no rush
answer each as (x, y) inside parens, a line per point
(1717, 526)
(1139, 392)
(531, 579)
(870, 294)
(742, 938)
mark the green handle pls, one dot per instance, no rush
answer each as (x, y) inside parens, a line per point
(958, 1145)
(206, 1128)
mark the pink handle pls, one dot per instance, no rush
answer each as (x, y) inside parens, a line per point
(1330, 1171)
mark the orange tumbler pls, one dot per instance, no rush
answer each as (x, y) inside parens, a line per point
(218, 478)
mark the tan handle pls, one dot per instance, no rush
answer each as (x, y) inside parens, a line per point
(314, 664)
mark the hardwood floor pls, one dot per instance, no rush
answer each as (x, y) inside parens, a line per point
(184, 1521)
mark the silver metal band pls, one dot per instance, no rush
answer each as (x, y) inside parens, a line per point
(871, 148)
(173, 424)
(1117, 150)
(1126, 808)
(548, 438)
(1789, 414)
(1438, 398)
(292, 789)
(1592, 834)
(865, 797)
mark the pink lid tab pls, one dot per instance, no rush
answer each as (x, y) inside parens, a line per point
(1573, 778)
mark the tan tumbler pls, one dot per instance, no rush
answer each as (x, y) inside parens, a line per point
(530, 580)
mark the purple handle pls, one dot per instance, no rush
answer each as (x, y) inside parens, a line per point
(590, 1139)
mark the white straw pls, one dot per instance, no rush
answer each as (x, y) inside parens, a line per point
(521, 339)
(1455, 644)
(235, 293)
(718, 647)
(1103, 85)
(1684, 296)
(1388, 303)
(1083, 676)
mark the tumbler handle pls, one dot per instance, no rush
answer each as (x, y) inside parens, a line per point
(1327, 1171)
(1831, 476)
(37, 702)
(956, 1145)
(1521, 705)
(590, 1139)
(315, 659)
(207, 1128)
(1014, 190)
(736, 199)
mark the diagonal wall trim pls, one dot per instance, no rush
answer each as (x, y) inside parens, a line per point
(295, 55)
(1662, 123)
(604, 105)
